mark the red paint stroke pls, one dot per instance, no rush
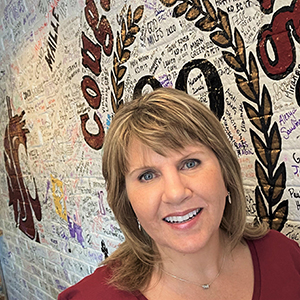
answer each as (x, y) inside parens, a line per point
(19, 196)
(284, 27)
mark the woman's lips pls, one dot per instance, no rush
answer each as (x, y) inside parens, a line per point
(184, 218)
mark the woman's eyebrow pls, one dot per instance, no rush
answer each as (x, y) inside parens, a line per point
(139, 169)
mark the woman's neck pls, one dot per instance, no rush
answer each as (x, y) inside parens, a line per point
(201, 266)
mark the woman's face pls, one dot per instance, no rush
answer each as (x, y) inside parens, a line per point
(179, 198)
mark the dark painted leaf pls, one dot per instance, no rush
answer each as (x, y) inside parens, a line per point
(266, 107)
(263, 181)
(232, 61)
(244, 88)
(129, 40)
(129, 17)
(113, 81)
(123, 31)
(278, 184)
(240, 52)
(168, 3)
(125, 56)
(119, 48)
(254, 74)
(210, 9)
(260, 148)
(280, 215)
(116, 65)
(206, 23)
(121, 72)
(253, 115)
(113, 103)
(134, 29)
(138, 13)
(193, 13)
(197, 3)
(120, 90)
(275, 143)
(180, 9)
(261, 207)
(220, 39)
(223, 17)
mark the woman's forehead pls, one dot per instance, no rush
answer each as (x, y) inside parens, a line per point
(137, 148)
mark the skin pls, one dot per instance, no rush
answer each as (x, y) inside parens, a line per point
(159, 187)
(162, 188)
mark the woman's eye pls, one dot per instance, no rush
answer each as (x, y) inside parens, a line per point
(192, 163)
(146, 176)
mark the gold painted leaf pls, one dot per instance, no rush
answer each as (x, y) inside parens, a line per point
(253, 115)
(168, 3)
(220, 39)
(266, 105)
(206, 23)
(240, 51)
(244, 88)
(193, 13)
(223, 17)
(274, 156)
(121, 72)
(129, 40)
(232, 61)
(116, 64)
(120, 90)
(119, 48)
(278, 189)
(134, 29)
(263, 180)
(138, 13)
(279, 183)
(260, 148)
(280, 215)
(275, 142)
(113, 81)
(123, 31)
(210, 9)
(129, 16)
(254, 73)
(261, 207)
(113, 103)
(180, 9)
(197, 3)
(125, 56)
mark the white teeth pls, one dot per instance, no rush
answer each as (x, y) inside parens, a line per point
(182, 219)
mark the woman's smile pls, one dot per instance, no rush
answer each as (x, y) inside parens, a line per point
(178, 219)
(178, 198)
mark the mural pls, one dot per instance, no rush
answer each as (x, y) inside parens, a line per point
(19, 196)
(68, 66)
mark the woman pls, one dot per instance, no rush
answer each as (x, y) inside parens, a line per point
(175, 187)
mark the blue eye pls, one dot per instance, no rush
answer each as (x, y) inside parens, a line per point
(146, 176)
(192, 163)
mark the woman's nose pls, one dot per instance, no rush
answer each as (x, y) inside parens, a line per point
(175, 188)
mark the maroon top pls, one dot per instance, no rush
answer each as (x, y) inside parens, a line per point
(276, 262)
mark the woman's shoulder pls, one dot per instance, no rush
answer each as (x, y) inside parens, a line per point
(274, 236)
(95, 286)
(274, 243)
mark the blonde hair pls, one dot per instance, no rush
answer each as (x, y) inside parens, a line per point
(164, 119)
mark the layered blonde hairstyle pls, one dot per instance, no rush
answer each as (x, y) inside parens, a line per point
(165, 119)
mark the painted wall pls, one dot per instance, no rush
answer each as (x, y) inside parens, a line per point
(67, 66)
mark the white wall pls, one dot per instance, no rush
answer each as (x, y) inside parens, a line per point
(53, 212)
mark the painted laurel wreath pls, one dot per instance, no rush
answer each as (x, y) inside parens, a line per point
(129, 29)
(271, 178)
